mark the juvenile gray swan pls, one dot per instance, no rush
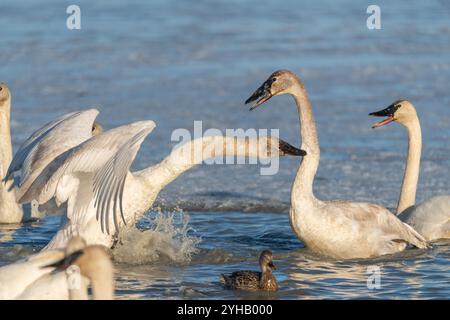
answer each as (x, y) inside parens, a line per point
(339, 229)
(254, 280)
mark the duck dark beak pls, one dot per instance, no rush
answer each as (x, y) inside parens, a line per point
(286, 149)
(272, 266)
(387, 112)
(261, 95)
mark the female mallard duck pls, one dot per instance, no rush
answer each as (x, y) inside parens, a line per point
(254, 280)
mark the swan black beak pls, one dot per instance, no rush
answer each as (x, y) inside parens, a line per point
(288, 149)
(388, 112)
(66, 262)
(261, 95)
(272, 266)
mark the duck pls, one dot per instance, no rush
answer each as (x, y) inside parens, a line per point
(254, 280)
(337, 229)
(431, 218)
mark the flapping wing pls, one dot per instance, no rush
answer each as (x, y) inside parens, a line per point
(27, 146)
(104, 160)
(49, 142)
(109, 182)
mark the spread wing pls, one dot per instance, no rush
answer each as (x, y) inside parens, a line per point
(50, 141)
(92, 172)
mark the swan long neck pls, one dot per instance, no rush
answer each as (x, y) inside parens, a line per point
(5, 141)
(10, 210)
(103, 287)
(196, 151)
(411, 176)
(303, 184)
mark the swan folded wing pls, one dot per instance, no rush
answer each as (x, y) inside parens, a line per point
(49, 142)
(372, 216)
(104, 160)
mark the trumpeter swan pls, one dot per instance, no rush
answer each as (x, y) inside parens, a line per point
(430, 218)
(339, 229)
(103, 195)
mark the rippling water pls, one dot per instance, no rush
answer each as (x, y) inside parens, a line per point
(179, 62)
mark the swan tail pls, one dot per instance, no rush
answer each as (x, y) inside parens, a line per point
(415, 238)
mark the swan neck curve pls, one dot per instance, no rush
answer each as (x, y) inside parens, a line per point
(303, 184)
(195, 152)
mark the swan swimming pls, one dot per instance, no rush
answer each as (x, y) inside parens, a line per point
(103, 196)
(74, 273)
(338, 229)
(430, 218)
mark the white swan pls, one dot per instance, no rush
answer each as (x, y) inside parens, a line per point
(79, 269)
(10, 210)
(37, 151)
(103, 195)
(16, 277)
(430, 218)
(338, 229)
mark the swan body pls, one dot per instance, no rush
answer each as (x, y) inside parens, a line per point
(430, 218)
(338, 229)
(254, 280)
(15, 278)
(103, 196)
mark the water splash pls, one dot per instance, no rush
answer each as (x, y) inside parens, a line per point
(160, 237)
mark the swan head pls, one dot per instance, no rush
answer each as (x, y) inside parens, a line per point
(94, 263)
(96, 128)
(401, 111)
(266, 260)
(4, 93)
(280, 82)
